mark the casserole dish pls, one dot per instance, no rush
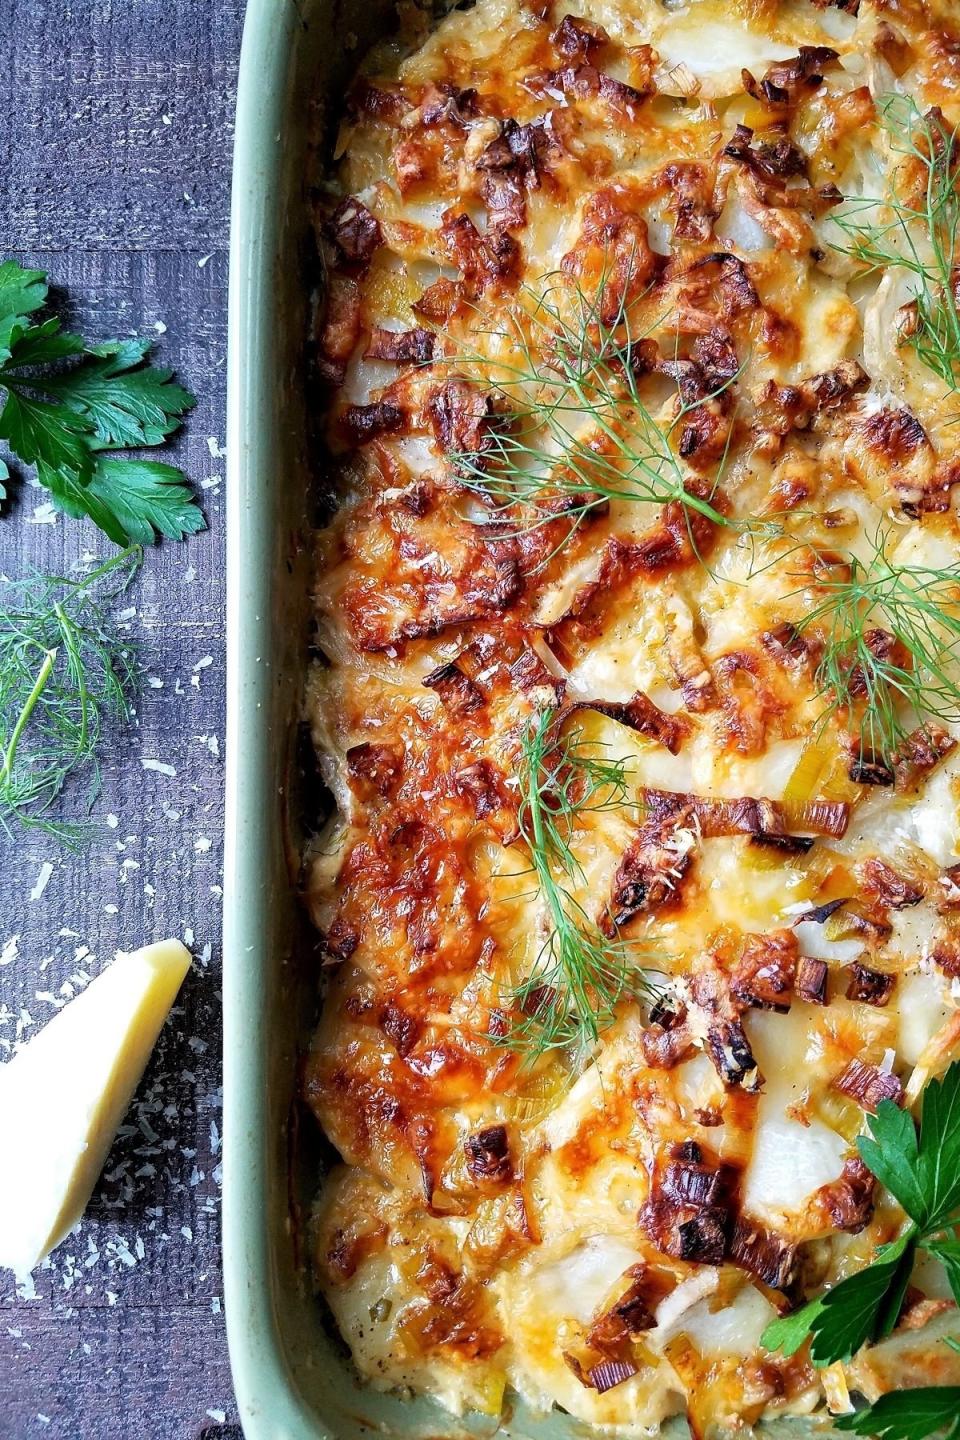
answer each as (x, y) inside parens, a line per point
(291, 1376)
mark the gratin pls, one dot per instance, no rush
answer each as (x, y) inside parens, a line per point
(637, 696)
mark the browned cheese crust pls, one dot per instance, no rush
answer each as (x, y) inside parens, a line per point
(631, 216)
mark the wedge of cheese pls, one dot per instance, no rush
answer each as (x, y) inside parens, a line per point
(64, 1094)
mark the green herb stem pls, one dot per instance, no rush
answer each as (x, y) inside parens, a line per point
(23, 719)
(884, 694)
(65, 671)
(924, 240)
(580, 975)
(570, 370)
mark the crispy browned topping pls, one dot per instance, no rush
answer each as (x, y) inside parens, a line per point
(727, 1045)
(517, 200)
(868, 1085)
(895, 434)
(891, 889)
(812, 980)
(870, 986)
(483, 260)
(376, 766)
(640, 714)
(403, 1028)
(406, 347)
(668, 1043)
(688, 1213)
(651, 873)
(849, 1200)
(355, 232)
(626, 1319)
(377, 102)
(764, 1253)
(461, 416)
(920, 752)
(786, 81)
(457, 691)
(765, 974)
(363, 423)
(339, 330)
(781, 408)
(488, 1155)
(440, 301)
(576, 38)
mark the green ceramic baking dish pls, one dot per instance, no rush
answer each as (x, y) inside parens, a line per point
(292, 1375)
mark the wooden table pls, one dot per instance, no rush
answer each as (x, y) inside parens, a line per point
(116, 130)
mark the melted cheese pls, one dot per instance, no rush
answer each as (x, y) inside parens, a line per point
(517, 172)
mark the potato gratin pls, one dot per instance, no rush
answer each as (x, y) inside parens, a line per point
(639, 697)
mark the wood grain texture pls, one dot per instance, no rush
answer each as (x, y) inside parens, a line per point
(128, 212)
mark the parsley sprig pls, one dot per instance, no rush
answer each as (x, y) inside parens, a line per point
(70, 408)
(923, 1174)
(909, 1415)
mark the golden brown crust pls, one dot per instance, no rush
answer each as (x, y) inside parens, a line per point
(531, 181)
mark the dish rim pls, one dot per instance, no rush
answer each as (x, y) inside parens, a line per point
(270, 1406)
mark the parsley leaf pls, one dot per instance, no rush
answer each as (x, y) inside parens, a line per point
(127, 402)
(43, 344)
(77, 499)
(789, 1332)
(146, 496)
(923, 1174)
(862, 1307)
(948, 1253)
(97, 398)
(21, 292)
(892, 1153)
(45, 435)
(908, 1415)
(939, 1157)
(865, 1306)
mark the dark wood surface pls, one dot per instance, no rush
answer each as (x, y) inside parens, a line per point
(116, 130)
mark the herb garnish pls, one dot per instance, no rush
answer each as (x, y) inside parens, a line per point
(580, 974)
(64, 671)
(919, 606)
(923, 1174)
(908, 1415)
(922, 234)
(577, 433)
(71, 406)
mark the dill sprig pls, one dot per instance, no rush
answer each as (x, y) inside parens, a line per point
(63, 673)
(882, 688)
(919, 233)
(580, 975)
(577, 432)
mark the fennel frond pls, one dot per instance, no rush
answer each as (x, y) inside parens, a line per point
(580, 975)
(916, 227)
(886, 689)
(64, 671)
(575, 432)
